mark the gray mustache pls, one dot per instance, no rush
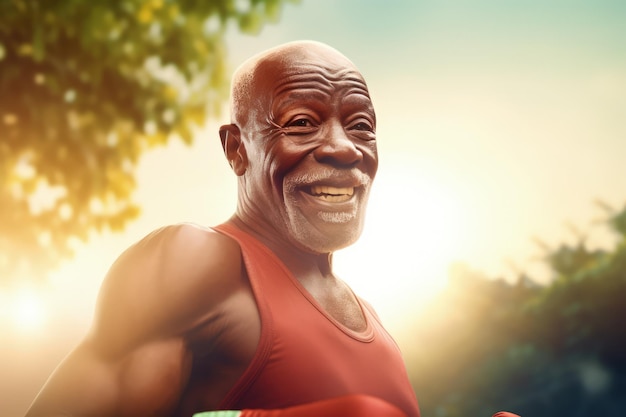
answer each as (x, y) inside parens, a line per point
(328, 175)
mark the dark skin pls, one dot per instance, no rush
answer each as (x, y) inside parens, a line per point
(176, 323)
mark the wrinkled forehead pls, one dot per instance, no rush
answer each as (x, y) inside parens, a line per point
(320, 68)
(318, 77)
(298, 66)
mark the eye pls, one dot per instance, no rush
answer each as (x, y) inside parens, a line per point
(300, 122)
(363, 126)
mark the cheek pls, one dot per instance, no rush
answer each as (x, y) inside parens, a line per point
(287, 153)
(370, 157)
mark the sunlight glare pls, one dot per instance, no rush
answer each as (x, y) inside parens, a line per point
(413, 231)
(27, 312)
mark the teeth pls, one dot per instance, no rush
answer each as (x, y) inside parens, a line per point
(332, 191)
(332, 194)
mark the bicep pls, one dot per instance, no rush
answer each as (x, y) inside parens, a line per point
(146, 381)
(83, 384)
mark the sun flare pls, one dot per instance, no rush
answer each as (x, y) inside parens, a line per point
(413, 230)
(27, 311)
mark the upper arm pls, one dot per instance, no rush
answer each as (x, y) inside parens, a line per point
(82, 383)
(134, 360)
(146, 381)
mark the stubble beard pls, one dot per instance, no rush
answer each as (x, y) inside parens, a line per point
(346, 226)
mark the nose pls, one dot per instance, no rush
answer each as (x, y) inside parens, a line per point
(337, 149)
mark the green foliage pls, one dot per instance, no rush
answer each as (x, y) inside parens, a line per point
(557, 349)
(85, 88)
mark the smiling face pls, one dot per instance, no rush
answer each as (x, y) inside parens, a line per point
(310, 147)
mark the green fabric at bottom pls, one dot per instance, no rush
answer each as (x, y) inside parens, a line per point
(218, 413)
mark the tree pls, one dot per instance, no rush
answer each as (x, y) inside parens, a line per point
(85, 88)
(557, 349)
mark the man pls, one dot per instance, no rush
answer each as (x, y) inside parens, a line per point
(249, 315)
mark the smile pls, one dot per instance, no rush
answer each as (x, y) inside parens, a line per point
(332, 194)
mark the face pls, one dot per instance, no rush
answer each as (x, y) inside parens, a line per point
(311, 148)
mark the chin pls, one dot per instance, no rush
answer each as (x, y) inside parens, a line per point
(330, 238)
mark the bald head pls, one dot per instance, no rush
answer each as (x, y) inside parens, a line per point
(252, 79)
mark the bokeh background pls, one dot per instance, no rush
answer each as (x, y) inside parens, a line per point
(494, 248)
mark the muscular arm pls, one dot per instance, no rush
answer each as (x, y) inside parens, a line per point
(135, 359)
(88, 383)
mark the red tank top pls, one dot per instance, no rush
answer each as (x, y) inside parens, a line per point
(304, 354)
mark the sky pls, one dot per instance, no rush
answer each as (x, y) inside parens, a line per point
(499, 123)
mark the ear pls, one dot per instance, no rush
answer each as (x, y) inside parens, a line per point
(234, 148)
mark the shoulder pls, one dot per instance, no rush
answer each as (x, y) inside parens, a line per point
(177, 256)
(181, 240)
(165, 284)
(183, 249)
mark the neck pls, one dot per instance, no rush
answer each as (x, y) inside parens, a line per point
(303, 264)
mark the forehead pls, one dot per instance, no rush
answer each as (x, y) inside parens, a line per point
(318, 78)
(322, 71)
